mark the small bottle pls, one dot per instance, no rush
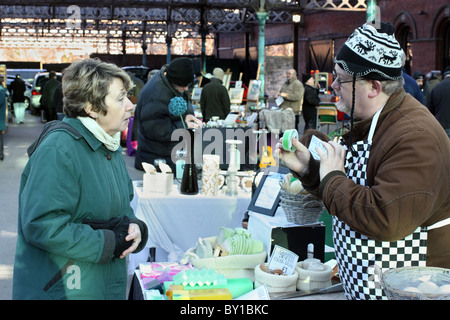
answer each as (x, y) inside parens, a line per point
(189, 183)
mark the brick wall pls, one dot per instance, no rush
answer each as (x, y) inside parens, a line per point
(276, 68)
(424, 18)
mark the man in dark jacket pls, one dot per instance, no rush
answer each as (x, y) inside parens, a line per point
(410, 84)
(2, 121)
(215, 100)
(155, 122)
(310, 102)
(18, 88)
(48, 93)
(439, 101)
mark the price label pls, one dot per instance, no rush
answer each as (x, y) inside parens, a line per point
(283, 259)
(316, 143)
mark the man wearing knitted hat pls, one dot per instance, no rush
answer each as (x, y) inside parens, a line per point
(155, 122)
(387, 183)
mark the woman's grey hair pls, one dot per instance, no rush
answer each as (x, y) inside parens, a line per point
(86, 82)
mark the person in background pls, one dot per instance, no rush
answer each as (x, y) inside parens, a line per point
(136, 90)
(152, 73)
(58, 99)
(214, 99)
(3, 108)
(411, 85)
(74, 233)
(386, 182)
(2, 87)
(155, 121)
(421, 82)
(439, 101)
(134, 130)
(17, 88)
(310, 102)
(292, 92)
(48, 103)
(433, 78)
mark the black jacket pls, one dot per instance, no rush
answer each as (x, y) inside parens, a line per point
(155, 122)
(310, 101)
(215, 100)
(439, 102)
(18, 90)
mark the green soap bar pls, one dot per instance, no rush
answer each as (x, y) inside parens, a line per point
(237, 287)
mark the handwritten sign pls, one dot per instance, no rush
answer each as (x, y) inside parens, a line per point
(283, 259)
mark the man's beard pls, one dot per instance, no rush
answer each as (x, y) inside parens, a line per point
(343, 107)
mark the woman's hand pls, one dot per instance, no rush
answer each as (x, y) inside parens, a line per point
(134, 234)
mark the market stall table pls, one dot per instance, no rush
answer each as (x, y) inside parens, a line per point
(137, 292)
(176, 221)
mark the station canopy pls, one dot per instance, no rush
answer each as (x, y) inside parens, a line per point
(136, 20)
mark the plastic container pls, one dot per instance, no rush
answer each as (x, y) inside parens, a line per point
(416, 283)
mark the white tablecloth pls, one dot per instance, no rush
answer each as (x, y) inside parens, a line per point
(176, 221)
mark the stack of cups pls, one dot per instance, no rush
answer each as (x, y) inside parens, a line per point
(210, 174)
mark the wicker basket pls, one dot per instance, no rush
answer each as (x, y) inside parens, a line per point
(395, 281)
(301, 208)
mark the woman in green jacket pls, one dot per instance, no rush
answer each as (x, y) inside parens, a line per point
(76, 224)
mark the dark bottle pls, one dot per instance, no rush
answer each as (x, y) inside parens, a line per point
(189, 184)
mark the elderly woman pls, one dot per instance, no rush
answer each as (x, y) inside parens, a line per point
(75, 221)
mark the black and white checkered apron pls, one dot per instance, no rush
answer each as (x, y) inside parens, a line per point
(357, 255)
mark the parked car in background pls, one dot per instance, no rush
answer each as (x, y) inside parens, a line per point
(28, 86)
(25, 74)
(39, 81)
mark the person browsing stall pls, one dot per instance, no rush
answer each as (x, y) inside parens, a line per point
(292, 92)
(215, 100)
(439, 102)
(310, 101)
(76, 225)
(18, 88)
(387, 183)
(48, 102)
(3, 120)
(156, 123)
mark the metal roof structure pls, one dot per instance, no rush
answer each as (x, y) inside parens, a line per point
(135, 20)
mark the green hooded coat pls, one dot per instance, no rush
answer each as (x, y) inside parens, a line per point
(69, 178)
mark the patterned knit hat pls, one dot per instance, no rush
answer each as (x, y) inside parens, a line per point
(372, 53)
